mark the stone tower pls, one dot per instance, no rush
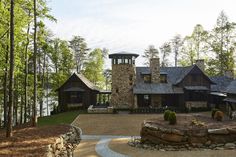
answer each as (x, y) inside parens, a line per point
(123, 78)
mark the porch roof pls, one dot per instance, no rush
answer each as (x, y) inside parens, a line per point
(230, 100)
(196, 88)
(153, 88)
(218, 94)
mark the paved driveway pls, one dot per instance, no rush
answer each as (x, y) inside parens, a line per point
(106, 135)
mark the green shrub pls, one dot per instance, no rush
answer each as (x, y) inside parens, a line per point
(172, 118)
(166, 115)
(213, 111)
(219, 115)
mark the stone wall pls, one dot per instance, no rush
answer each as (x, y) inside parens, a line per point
(156, 101)
(123, 78)
(65, 145)
(159, 135)
(91, 109)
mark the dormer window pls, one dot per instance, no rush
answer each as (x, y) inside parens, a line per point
(147, 78)
(163, 78)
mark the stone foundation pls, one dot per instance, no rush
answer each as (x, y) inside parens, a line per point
(159, 135)
(65, 144)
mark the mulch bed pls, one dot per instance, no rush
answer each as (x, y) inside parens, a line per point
(29, 141)
(184, 122)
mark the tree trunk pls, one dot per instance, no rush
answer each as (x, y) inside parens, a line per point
(5, 83)
(21, 109)
(15, 115)
(11, 74)
(26, 72)
(34, 114)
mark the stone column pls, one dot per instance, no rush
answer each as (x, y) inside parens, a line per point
(135, 101)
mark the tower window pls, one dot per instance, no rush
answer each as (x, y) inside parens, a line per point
(119, 61)
(117, 90)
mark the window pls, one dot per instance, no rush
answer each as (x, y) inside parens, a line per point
(117, 90)
(163, 78)
(119, 61)
(126, 61)
(147, 78)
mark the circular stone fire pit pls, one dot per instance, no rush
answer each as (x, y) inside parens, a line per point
(158, 131)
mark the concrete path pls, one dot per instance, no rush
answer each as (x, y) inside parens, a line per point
(103, 150)
(102, 146)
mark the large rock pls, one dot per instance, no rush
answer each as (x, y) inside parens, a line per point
(172, 137)
(221, 131)
(232, 130)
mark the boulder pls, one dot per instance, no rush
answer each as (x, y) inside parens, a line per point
(230, 145)
(172, 137)
(221, 131)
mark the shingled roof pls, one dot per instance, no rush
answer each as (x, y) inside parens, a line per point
(221, 83)
(84, 80)
(175, 74)
(231, 88)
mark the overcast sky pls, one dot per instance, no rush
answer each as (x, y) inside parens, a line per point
(132, 25)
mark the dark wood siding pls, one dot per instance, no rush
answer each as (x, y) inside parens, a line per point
(88, 95)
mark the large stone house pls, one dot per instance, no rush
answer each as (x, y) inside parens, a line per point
(155, 86)
(150, 87)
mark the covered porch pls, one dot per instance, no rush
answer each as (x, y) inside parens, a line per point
(196, 97)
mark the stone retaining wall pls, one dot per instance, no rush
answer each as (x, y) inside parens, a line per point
(65, 144)
(91, 109)
(159, 135)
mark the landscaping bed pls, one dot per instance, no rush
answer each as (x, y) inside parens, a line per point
(28, 141)
(189, 130)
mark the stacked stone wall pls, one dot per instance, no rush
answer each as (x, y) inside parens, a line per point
(65, 145)
(123, 78)
(156, 100)
(160, 135)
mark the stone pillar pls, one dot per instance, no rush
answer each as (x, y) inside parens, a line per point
(135, 101)
(155, 70)
(200, 63)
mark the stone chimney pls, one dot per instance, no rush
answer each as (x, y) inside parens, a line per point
(200, 64)
(155, 70)
(229, 74)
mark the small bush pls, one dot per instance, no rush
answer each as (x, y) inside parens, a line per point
(219, 115)
(172, 118)
(213, 111)
(166, 115)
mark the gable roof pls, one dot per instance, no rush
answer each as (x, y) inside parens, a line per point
(221, 83)
(174, 74)
(231, 88)
(89, 84)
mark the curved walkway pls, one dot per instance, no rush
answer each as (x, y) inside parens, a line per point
(102, 146)
(103, 150)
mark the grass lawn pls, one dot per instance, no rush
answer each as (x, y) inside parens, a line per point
(61, 118)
